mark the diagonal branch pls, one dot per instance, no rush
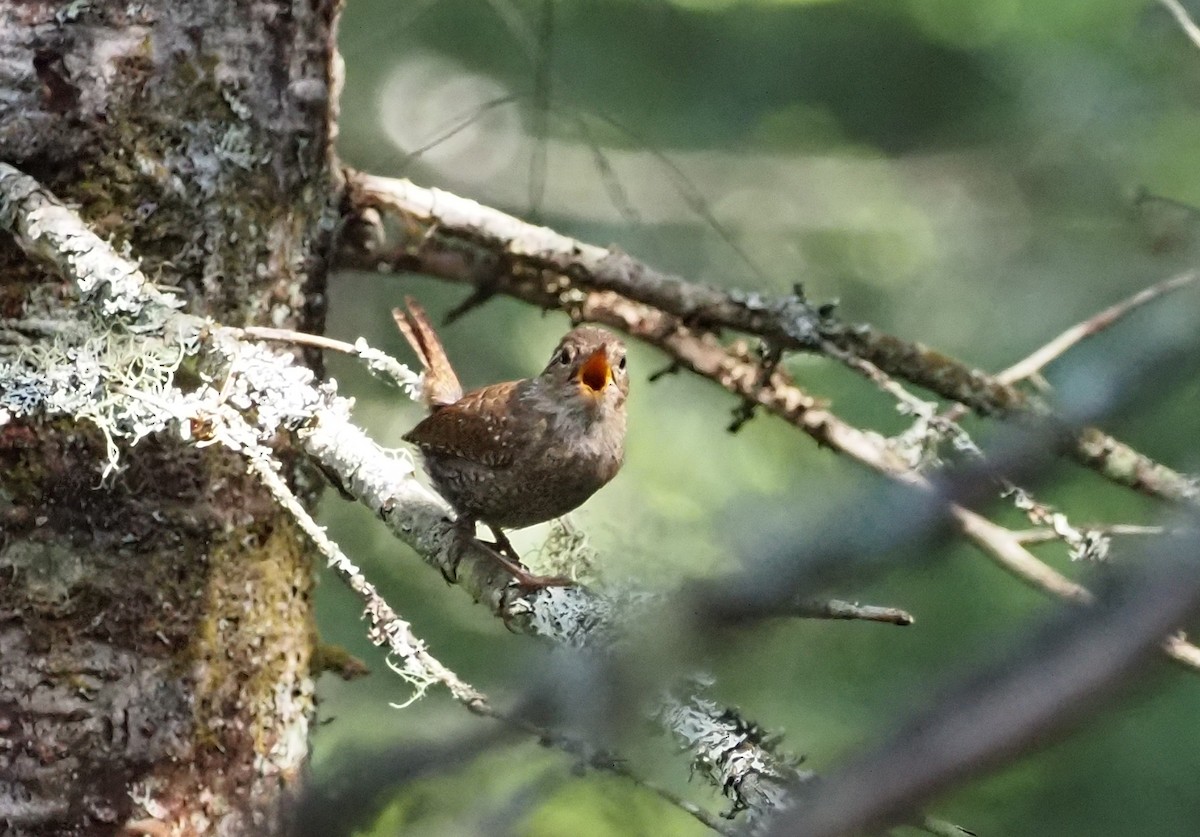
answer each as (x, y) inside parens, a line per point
(465, 241)
(1034, 363)
(1184, 20)
(697, 350)
(415, 664)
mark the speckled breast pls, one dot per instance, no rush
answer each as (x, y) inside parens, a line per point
(533, 489)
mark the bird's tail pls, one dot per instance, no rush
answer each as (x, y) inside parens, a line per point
(441, 385)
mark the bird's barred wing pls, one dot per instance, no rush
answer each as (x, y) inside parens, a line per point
(486, 426)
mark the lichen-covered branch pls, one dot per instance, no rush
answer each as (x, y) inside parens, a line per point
(129, 392)
(919, 446)
(408, 655)
(54, 234)
(463, 240)
(694, 348)
(243, 380)
(733, 753)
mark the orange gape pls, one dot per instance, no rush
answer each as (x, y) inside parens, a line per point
(522, 452)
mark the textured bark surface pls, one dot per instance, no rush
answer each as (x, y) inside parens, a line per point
(156, 627)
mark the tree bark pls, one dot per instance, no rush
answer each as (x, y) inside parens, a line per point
(156, 625)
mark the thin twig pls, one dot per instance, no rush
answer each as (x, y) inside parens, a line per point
(1032, 364)
(287, 335)
(378, 362)
(942, 828)
(1184, 19)
(387, 629)
(837, 609)
(1047, 533)
(1008, 708)
(1093, 325)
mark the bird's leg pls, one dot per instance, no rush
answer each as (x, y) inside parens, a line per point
(504, 553)
(503, 544)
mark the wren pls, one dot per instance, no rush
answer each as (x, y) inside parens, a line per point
(522, 452)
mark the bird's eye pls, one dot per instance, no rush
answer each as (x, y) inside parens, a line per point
(564, 356)
(621, 363)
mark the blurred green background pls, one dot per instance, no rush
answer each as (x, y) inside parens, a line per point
(973, 174)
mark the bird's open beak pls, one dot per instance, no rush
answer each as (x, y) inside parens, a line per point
(595, 373)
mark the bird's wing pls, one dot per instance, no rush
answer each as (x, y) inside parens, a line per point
(487, 426)
(441, 384)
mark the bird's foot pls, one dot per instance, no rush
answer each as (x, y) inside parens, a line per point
(504, 553)
(524, 578)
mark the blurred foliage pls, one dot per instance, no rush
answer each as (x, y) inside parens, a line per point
(970, 174)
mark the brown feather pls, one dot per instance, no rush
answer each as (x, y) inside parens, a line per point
(519, 453)
(441, 386)
(484, 426)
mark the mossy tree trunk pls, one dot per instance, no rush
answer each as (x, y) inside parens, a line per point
(156, 627)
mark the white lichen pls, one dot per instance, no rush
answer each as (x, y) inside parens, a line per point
(87, 368)
(384, 366)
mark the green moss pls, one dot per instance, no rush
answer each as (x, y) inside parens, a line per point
(249, 661)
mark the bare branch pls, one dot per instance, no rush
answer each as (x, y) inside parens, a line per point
(377, 362)
(837, 609)
(1185, 21)
(1093, 325)
(731, 368)
(1047, 534)
(557, 271)
(1038, 359)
